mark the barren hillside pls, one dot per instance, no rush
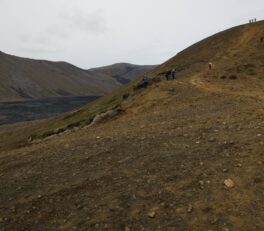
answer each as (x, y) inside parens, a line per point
(184, 154)
(22, 78)
(123, 72)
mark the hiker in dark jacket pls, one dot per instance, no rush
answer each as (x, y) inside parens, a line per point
(167, 75)
(173, 73)
(145, 81)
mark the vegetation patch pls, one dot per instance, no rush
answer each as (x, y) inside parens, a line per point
(83, 116)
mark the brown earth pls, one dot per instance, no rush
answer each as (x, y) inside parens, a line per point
(183, 155)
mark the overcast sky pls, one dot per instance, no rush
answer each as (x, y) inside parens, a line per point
(90, 33)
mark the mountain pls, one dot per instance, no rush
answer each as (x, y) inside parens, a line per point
(184, 154)
(123, 72)
(22, 78)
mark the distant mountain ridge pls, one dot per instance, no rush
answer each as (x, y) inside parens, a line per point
(123, 72)
(23, 78)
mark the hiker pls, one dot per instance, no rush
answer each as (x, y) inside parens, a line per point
(210, 66)
(173, 72)
(167, 75)
(145, 81)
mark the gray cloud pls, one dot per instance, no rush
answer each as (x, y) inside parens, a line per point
(77, 19)
(92, 33)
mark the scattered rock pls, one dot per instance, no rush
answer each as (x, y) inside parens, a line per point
(201, 182)
(67, 146)
(127, 228)
(212, 139)
(229, 183)
(190, 209)
(152, 214)
(225, 170)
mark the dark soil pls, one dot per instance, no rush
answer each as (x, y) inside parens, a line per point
(13, 112)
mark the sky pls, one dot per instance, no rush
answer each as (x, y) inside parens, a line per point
(92, 33)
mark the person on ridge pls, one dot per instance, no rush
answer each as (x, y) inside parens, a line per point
(145, 81)
(210, 66)
(173, 73)
(167, 75)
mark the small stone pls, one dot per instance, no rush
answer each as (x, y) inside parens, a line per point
(190, 209)
(67, 146)
(201, 182)
(259, 135)
(1, 219)
(97, 226)
(198, 142)
(239, 165)
(98, 137)
(225, 170)
(152, 214)
(127, 228)
(212, 139)
(229, 183)
(39, 196)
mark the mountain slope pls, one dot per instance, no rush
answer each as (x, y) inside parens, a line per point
(22, 78)
(179, 155)
(123, 72)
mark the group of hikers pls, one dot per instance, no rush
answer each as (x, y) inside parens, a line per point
(253, 20)
(170, 74)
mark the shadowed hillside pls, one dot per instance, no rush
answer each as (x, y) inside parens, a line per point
(22, 78)
(123, 72)
(184, 154)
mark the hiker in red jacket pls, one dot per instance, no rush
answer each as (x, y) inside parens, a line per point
(210, 66)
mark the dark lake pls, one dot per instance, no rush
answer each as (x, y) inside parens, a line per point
(12, 112)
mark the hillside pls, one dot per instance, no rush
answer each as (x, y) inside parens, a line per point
(185, 154)
(123, 72)
(22, 78)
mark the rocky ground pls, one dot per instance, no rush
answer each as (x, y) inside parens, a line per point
(194, 162)
(184, 155)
